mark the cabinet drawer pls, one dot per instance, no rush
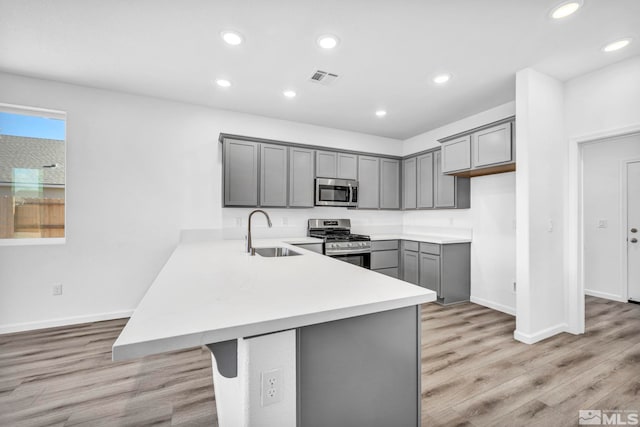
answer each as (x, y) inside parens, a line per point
(430, 248)
(391, 272)
(384, 259)
(384, 245)
(409, 245)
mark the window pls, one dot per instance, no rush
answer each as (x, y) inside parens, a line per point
(32, 175)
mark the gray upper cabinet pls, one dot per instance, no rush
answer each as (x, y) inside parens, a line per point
(240, 173)
(389, 184)
(330, 164)
(327, 164)
(347, 167)
(445, 185)
(456, 154)
(491, 146)
(425, 181)
(409, 181)
(368, 182)
(273, 175)
(301, 177)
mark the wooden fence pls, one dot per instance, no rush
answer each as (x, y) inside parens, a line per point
(34, 217)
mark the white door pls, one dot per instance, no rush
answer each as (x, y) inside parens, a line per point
(633, 230)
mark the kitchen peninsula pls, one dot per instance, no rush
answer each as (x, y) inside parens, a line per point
(296, 340)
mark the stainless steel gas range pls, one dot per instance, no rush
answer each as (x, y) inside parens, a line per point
(339, 242)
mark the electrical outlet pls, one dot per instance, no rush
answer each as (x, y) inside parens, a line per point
(602, 223)
(56, 289)
(272, 386)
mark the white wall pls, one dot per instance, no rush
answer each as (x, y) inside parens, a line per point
(491, 216)
(139, 170)
(540, 188)
(604, 247)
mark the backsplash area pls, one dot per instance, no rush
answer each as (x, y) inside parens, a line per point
(293, 222)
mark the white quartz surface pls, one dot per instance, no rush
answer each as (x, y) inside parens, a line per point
(213, 291)
(439, 239)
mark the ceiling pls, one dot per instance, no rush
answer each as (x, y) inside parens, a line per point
(388, 54)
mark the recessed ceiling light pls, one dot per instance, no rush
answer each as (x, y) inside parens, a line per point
(289, 93)
(223, 83)
(565, 9)
(328, 41)
(616, 45)
(231, 37)
(381, 113)
(442, 78)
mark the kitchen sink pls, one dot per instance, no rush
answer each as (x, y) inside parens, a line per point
(275, 252)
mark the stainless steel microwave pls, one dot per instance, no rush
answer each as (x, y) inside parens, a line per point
(336, 192)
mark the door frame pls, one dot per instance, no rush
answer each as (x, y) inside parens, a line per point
(574, 219)
(624, 223)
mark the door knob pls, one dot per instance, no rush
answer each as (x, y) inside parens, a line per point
(634, 230)
(634, 240)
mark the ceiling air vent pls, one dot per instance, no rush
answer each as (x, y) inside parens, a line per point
(323, 77)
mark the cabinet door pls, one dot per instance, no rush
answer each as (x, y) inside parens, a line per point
(409, 181)
(389, 184)
(410, 267)
(326, 163)
(347, 166)
(456, 154)
(240, 173)
(368, 182)
(300, 177)
(430, 272)
(273, 175)
(491, 146)
(425, 181)
(445, 185)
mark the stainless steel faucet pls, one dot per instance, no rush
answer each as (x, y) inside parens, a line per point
(250, 248)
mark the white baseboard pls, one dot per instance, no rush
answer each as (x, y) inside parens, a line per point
(540, 335)
(604, 295)
(64, 321)
(494, 305)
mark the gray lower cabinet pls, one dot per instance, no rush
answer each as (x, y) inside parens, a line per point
(385, 257)
(301, 177)
(389, 184)
(456, 154)
(410, 262)
(446, 269)
(273, 175)
(360, 371)
(425, 181)
(240, 173)
(430, 272)
(368, 182)
(409, 182)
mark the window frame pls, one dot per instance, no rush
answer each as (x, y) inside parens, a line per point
(50, 114)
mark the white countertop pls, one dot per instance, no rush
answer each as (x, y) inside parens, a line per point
(439, 239)
(213, 291)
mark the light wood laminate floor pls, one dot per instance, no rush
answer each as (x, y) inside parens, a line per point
(473, 374)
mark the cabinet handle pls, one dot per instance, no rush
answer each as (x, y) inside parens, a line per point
(634, 240)
(634, 230)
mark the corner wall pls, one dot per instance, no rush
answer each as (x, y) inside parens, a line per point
(541, 156)
(491, 216)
